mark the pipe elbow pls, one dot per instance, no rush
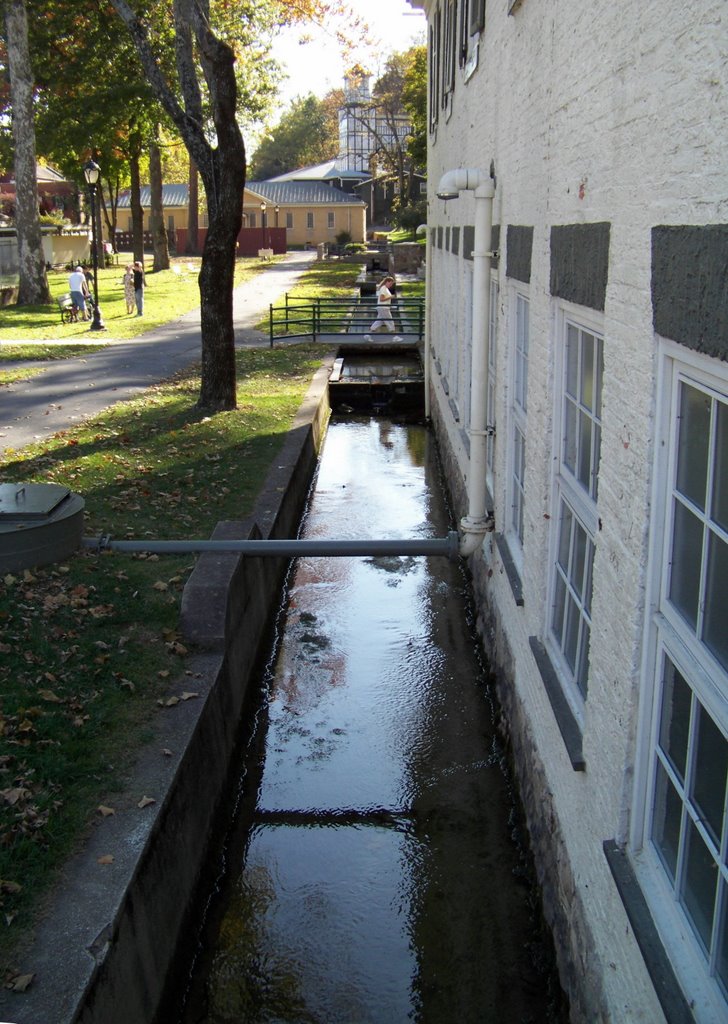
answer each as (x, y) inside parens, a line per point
(473, 533)
(463, 179)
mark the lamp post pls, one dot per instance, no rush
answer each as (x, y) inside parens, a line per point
(91, 173)
(277, 211)
(264, 224)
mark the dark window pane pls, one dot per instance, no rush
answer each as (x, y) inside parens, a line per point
(572, 360)
(693, 440)
(571, 631)
(570, 414)
(565, 536)
(587, 371)
(711, 766)
(687, 550)
(557, 623)
(580, 551)
(719, 510)
(585, 452)
(598, 385)
(698, 890)
(715, 626)
(666, 821)
(675, 718)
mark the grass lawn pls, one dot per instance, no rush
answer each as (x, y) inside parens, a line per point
(169, 294)
(88, 648)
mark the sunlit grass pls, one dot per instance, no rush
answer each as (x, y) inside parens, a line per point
(88, 648)
(169, 295)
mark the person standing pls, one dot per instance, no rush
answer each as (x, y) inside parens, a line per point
(139, 287)
(384, 319)
(129, 288)
(79, 291)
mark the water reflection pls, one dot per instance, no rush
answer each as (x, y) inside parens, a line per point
(381, 880)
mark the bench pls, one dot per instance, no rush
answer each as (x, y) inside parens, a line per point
(68, 309)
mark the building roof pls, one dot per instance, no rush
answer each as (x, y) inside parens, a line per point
(172, 195)
(301, 193)
(284, 193)
(318, 172)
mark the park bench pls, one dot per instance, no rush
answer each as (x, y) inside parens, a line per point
(68, 309)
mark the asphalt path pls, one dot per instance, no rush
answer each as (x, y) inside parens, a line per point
(72, 390)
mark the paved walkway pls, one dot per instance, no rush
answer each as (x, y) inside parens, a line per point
(72, 390)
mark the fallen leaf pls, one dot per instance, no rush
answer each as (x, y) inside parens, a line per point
(146, 801)
(108, 858)
(49, 696)
(105, 811)
(166, 752)
(159, 585)
(21, 983)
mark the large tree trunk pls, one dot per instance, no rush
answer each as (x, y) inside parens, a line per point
(156, 210)
(137, 213)
(221, 167)
(193, 217)
(33, 288)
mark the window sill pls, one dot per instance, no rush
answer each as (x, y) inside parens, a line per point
(511, 571)
(568, 725)
(673, 1002)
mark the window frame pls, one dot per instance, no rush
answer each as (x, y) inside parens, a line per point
(668, 636)
(567, 490)
(309, 220)
(517, 421)
(491, 397)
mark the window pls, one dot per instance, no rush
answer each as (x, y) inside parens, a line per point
(330, 220)
(575, 521)
(434, 52)
(517, 420)
(449, 51)
(251, 220)
(289, 220)
(477, 16)
(686, 825)
(309, 221)
(423, 188)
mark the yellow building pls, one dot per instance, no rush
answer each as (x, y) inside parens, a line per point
(275, 214)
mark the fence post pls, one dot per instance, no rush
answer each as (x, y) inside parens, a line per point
(270, 323)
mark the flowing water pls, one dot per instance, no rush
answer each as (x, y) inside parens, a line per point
(381, 876)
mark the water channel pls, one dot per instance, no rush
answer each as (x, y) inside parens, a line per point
(377, 872)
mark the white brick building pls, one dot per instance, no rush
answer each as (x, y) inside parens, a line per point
(603, 589)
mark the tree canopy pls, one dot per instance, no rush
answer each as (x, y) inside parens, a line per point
(307, 133)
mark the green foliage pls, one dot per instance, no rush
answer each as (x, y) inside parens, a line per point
(306, 134)
(411, 216)
(414, 100)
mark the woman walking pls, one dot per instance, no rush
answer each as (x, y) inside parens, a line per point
(129, 288)
(384, 319)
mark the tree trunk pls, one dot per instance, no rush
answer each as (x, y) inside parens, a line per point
(193, 217)
(33, 286)
(156, 210)
(221, 167)
(137, 213)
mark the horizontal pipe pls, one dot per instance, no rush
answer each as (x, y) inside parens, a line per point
(447, 546)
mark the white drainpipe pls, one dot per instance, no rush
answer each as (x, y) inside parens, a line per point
(477, 523)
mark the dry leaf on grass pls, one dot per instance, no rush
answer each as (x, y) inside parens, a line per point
(146, 801)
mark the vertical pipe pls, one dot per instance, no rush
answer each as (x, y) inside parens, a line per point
(474, 525)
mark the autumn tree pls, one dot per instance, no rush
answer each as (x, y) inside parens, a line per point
(33, 282)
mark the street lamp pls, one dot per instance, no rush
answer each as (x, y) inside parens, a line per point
(264, 223)
(277, 210)
(91, 173)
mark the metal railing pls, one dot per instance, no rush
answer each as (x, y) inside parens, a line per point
(303, 317)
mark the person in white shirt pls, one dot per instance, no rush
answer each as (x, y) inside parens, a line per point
(384, 319)
(79, 290)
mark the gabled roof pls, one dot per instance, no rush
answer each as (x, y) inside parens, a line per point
(172, 195)
(302, 193)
